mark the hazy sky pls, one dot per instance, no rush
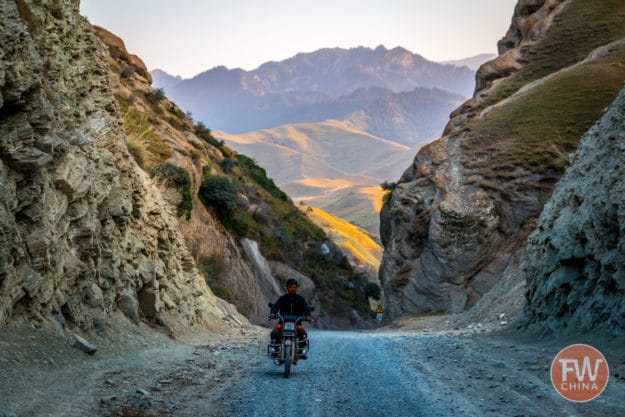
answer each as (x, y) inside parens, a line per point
(186, 37)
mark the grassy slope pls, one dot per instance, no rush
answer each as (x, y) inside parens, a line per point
(319, 146)
(357, 205)
(537, 130)
(358, 242)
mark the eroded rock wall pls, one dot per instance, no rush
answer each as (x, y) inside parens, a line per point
(83, 231)
(457, 222)
(575, 264)
(448, 239)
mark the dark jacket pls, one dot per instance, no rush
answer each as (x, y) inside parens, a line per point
(294, 305)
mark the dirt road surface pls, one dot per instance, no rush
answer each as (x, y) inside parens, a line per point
(382, 373)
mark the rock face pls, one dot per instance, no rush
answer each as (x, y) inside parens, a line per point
(83, 231)
(457, 221)
(442, 234)
(117, 49)
(575, 265)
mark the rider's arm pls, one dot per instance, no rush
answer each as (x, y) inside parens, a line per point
(276, 306)
(307, 310)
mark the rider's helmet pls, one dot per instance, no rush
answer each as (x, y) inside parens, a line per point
(291, 281)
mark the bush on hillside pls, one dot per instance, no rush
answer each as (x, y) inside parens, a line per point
(157, 94)
(373, 290)
(259, 176)
(218, 192)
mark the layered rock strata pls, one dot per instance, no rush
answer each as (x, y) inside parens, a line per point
(446, 239)
(83, 231)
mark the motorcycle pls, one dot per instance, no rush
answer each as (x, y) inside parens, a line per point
(291, 347)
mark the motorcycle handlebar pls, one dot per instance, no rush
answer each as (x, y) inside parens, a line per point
(298, 319)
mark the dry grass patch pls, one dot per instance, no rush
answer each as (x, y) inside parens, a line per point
(140, 132)
(355, 240)
(536, 131)
(576, 31)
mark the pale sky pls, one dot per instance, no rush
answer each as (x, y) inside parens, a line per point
(186, 37)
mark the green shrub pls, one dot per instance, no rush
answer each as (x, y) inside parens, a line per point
(218, 192)
(176, 112)
(259, 176)
(227, 164)
(205, 133)
(373, 290)
(388, 186)
(157, 94)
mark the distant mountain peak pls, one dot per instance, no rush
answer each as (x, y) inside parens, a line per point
(304, 87)
(380, 48)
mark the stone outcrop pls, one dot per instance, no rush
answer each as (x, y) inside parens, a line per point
(530, 22)
(575, 265)
(83, 231)
(443, 240)
(457, 222)
(117, 50)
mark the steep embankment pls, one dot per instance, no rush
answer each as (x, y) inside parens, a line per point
(576, 257)
(84, 233)
(457, 221)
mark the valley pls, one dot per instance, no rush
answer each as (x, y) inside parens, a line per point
(455, 228)
(358, 124)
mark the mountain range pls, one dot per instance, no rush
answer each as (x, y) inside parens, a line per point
(473, 62)
(348, 116)
(324, 162)
(309, 87)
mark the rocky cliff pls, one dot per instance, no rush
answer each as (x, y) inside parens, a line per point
(456, 223)
(84, 233)
(575, 265)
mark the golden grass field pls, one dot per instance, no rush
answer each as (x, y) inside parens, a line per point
(356, 241)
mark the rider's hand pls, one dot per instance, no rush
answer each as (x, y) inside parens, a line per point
(272, 316)
(309, 319)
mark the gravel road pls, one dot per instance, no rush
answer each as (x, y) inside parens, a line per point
(385, 373)
(348, 373)
(408, 374)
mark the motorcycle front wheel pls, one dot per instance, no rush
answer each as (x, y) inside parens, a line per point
(287, 361)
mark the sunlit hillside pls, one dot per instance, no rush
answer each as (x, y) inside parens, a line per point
(356, 242)
(332, 149)
(357, 205)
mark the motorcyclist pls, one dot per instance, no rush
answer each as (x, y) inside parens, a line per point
(291, 304)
